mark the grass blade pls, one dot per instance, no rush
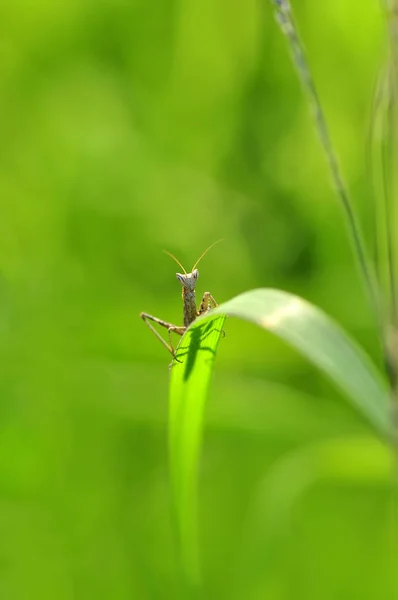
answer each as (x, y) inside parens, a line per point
(304, 327)
(324, 343)
(189, 385)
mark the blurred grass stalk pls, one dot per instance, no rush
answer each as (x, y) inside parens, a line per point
(285, 19)
(379, 282)
(382, 161)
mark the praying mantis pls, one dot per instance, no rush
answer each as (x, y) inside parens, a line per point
(188, 283)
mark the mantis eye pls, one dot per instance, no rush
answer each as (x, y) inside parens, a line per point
(180, 278)
(195, 273)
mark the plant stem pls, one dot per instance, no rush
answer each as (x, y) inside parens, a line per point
(286, 22)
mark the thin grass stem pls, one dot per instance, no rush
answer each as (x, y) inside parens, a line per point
(287, 24)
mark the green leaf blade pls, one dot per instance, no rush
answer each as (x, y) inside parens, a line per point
(189, 383)
(303, 326)
(324, 343)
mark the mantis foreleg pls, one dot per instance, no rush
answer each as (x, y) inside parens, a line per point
(170, 328)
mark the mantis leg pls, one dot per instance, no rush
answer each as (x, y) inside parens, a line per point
(170, 328)
(208, 303)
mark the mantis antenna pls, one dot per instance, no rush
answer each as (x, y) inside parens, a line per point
(176, 259)
(205, 252)
(199, 259)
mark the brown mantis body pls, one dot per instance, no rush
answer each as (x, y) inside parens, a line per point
(188, 283)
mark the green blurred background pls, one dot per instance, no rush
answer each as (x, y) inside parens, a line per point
(127, 128)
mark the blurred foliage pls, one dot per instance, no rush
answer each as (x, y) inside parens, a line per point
(128, 128)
